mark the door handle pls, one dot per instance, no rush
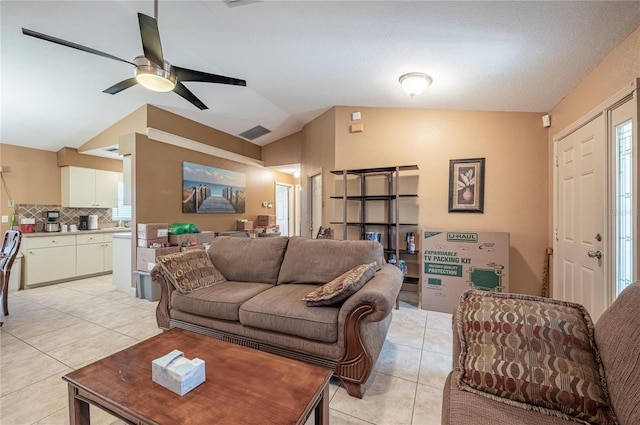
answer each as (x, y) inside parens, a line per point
(595, 254)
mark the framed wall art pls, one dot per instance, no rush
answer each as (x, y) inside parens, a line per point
(466, 185)
(209, 190)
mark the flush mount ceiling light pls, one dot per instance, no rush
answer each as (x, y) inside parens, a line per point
(415, 83)
(152, 77)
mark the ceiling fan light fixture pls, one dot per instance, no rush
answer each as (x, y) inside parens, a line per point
(153, 77)
(414, 83)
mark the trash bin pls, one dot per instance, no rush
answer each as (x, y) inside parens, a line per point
(146, 288)
(16, 273)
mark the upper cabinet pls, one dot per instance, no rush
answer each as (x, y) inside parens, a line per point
(89, 188)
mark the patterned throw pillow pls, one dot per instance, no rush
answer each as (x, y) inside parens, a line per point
(342, 287)
(188, 271)
(532, 352)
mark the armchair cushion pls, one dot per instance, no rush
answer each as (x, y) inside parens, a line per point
(532, 352)
(188, 271)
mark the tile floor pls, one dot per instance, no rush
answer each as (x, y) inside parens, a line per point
(55, 329)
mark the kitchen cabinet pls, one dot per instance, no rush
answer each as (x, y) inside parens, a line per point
(94, 254)
(86, 187)
(48, 258)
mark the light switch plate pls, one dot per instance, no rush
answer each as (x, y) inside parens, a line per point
(5, 218)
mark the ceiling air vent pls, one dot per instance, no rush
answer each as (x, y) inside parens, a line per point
(255, 132)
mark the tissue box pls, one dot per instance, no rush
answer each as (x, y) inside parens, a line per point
(176, 373)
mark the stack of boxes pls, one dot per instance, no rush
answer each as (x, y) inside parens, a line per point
(266, 224)
(153, 241)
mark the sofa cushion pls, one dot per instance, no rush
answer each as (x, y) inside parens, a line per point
(188, 271)
(533, 352)
(280, 309)
(319, 261)
(220, 301)
(248, 259)
(618, 338)
(342, 287)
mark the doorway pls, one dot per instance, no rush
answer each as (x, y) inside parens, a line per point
(284, 208)
(596, 193)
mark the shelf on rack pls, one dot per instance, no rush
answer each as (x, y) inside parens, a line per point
(376, 170)
(358, 223)
(373, 197)
(401, 251)
(412, 280)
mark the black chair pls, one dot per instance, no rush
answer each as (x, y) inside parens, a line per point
(8, 254)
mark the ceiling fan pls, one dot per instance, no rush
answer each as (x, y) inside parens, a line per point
(151, 70)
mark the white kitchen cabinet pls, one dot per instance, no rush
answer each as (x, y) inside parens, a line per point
(48, 258)
(94, 254)
(108, 252)
(86, 187)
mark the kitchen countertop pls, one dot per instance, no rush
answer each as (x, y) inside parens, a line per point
(79, 232)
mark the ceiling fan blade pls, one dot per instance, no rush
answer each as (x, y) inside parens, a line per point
(186, 93)
(62, 42)
(184, 74)
(122, 85)
(150, 39)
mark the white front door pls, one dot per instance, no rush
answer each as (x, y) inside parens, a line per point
(283, 206)
(580, 233)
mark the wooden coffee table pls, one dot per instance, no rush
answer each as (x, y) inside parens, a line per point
(243, 386)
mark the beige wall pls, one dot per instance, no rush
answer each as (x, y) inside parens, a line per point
(70, 156)
(135, 122)
(317, 155)
(285, 151)
(158, 186)
(33, 175)
(514, 145)
(616, 71)
(174, 124)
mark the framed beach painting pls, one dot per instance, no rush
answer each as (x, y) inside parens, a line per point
(466, 185)
(209, 190)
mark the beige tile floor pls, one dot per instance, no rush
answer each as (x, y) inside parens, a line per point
(55, 329)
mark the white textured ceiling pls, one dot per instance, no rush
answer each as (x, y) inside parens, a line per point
(299, 58)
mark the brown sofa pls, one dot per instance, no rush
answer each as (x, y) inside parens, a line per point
(617, 338)
(260, 304)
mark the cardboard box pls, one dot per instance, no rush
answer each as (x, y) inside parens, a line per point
(267, 229)
(206, 236)
(153, 230)
(187, 238)
(146, 243)
(455, 261)
(146, 257)
(244, 225)
(177, 373)
(266, 220)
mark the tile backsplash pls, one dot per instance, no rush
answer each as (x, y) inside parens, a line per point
(67, 215)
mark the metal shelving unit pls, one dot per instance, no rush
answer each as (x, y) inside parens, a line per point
(392, 205)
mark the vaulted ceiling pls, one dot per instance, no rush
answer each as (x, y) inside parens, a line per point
(299, 58)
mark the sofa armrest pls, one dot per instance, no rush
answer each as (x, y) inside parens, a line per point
(362, 327)
(164, 305)
(380, 293)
